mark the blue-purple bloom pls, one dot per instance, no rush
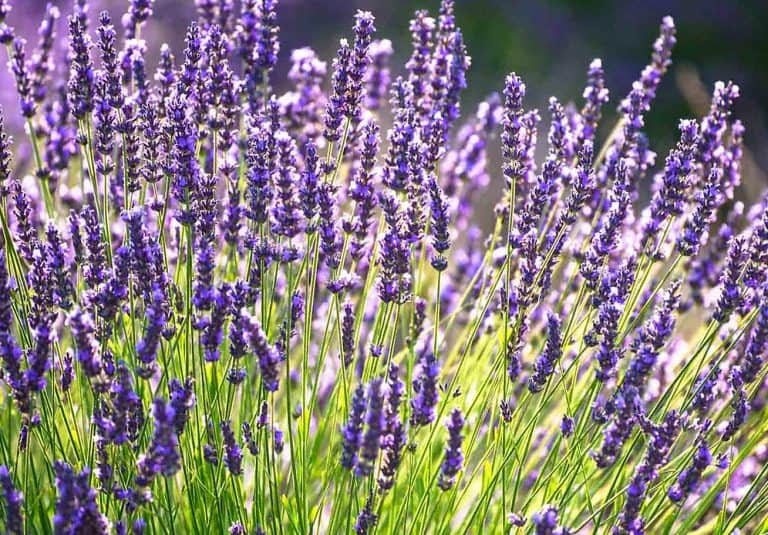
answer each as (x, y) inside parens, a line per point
(546, 362)
(689, 478)
(661, 440)
(14, 501)
(374, 426)
(739, 404)
(233, 454)
(162, 457)
(76, 507)
(424, 402)
(352, 431)
(453, 460)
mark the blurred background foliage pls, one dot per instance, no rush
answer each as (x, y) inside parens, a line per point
(549, 43)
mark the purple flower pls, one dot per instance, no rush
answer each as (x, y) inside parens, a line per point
(185, 169)
(10, 353)
(128, 409)
(454, 457)
(374, 423)
(338, 106)
(441, 239)
(14, 502)
(189, 76)
(459, 64)
(545, 522)
(637, 102)
(567, 425)
(285, 210)
(41, 64)
(5, 157)
(595, 95)
(248, 439)
(394, 439)
(624, 405)
(660, 60)
(689, 478)
(26, 232)
(362, 189)
(705, 390)
(76, 507)
(110, 76)
(377, 77)
(156, 316)
(88, 352)
(424, 401)
(363, 29)
(730, 297)
(394, 255)
(210, 455)
(67, 372)
(233, 455)
(514, 137)
(662, 438)
(105, 118)
(545, 363)
(21, 73)
(267, 355)
(679, 171)
(582, 188)
(94, 270)
(604, 241)
(754, 273)
(652, 338)
(138, 12)
(309, 185)
(238, 345)
(739, 404)
(258, 46)
(277, 440)
(303, 107)
(422, 27)
(544, 189)
(56, 253)
(213, 332)
(165, 76)
(81, 76)
(395, 174)
(41, 280)
(162, 456)
(696, 228)
(352, 431)
(348, 333)
(6, 32)
(366, 519)
(259, 170)
(755, 352)
(182, 400)
(713, 125)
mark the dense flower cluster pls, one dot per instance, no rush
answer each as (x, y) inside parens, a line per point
(225, 307)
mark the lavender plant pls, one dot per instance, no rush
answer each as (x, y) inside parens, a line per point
(225, 309)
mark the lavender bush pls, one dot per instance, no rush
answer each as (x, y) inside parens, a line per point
(227, 310)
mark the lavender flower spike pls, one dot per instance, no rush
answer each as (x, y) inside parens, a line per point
(545, 364)
(14, 501)
(352, 431)
(374, 420)
(267, 355)
(454, 457)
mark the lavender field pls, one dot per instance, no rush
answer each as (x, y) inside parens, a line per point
(347, 300)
